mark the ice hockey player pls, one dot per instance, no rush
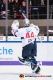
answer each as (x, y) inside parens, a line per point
(28, 34)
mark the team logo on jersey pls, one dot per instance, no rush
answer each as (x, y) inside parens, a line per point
(28, 29)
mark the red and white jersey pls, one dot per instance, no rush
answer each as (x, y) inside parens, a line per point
(29, 34)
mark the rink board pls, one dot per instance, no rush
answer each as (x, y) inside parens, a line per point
(11, 68)
(10, 50)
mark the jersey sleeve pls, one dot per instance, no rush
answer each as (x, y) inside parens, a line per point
(15, 33)
(36, 30)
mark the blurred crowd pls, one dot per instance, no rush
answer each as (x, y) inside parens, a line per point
(36, 9)
(15, 8)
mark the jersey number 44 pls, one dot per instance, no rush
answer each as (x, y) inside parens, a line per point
(30, 35)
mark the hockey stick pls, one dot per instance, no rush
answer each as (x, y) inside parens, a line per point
(24, 15)
(39, 39)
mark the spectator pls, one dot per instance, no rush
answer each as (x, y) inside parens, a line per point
(42, 2)
(0, 8)
(20, 2)
(22, 8)
(10, 9)
(13, 1)
(11, 4)
(16, 9)
(3, 9)
(16, 5)
(9, 1)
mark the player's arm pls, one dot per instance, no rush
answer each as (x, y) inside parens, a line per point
(37, 30)
(15, 33)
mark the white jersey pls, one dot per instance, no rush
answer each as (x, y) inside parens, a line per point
(29, 34)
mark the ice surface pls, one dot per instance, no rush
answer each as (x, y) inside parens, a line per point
(45, 70)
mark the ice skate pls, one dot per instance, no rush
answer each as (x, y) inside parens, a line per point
(36, 70)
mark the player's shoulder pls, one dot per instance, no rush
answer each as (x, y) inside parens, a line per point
(31, 25)
(22, 29)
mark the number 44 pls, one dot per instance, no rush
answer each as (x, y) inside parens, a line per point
(30, 35)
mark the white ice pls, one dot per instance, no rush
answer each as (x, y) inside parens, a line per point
(13, 72)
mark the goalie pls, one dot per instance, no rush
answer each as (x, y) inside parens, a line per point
(28, 34)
